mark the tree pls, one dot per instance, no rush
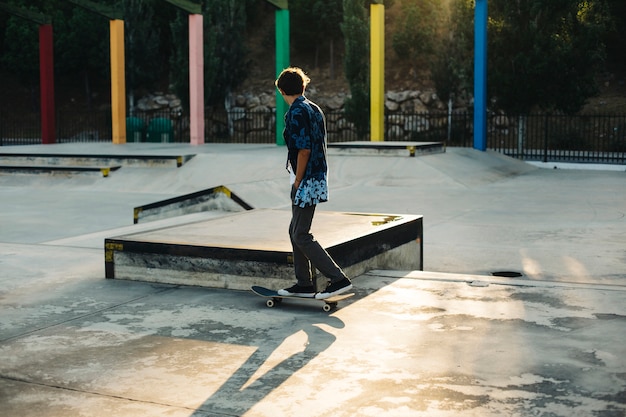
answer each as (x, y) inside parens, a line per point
(356, 31)
(179, 57)
(142, 47)
(616, 36)
(318, 23)
(81, 46)
(225, 65)
(19, 55)
(20, 52)
(545, 53)
(418, 29)
(451, 68)
(225, 50)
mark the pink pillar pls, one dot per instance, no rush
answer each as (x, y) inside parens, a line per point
(46, 79)
(196, 80)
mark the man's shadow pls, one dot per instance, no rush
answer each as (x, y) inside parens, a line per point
(257, 377)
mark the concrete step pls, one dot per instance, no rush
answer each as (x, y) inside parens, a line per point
(396, 148)
(71, 159)
(49, 169)
(252, 248)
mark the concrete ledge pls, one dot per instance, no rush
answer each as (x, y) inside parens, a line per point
(252, 248)
(52, 159)
(34, 169)
(386, 148)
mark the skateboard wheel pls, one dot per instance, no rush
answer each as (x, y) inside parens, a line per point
(329, 306)
(270, 303)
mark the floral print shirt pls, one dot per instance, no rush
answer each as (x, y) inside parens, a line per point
(305, 128)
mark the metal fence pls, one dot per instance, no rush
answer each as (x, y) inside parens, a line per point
(544, 137)
(91, 126)
(556, 137)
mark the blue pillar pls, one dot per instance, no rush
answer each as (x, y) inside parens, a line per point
(480, 75)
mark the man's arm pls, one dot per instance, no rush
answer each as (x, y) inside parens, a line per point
(303, 160)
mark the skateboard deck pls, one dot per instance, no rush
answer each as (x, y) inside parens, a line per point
(274, 298)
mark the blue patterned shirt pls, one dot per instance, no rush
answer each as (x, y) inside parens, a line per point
(305, 128)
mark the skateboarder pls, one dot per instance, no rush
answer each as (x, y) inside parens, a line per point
(305, 136)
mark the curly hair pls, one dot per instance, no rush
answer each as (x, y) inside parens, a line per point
(292, 81)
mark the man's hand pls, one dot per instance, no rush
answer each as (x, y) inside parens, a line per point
(303, 160)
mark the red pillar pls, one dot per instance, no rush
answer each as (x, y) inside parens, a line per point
(46, 77)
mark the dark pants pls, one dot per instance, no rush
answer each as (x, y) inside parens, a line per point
(307, 252)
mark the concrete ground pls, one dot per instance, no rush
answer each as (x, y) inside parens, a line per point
(451, 340)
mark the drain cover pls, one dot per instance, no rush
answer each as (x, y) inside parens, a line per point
(507, 274)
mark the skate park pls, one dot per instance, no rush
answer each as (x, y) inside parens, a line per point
(507, 299)
(450, 338)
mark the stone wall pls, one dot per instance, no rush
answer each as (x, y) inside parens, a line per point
(408, 113)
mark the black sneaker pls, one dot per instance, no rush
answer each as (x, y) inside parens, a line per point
(298, 291)
(334, 288)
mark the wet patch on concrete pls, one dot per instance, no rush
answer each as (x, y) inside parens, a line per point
(542, 298)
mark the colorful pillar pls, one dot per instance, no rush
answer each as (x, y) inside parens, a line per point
(377, 72)
(196, 79)
(196, 68)
(46, 68)
(480, 75)
(118, 82)
(282, 62)
(46, 77)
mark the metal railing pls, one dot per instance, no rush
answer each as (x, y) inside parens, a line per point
(541, 136)
(91, 126)
(555, 137)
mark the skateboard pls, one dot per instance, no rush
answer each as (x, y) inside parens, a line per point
(273, 298)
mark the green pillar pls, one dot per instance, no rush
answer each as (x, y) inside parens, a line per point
(282, 62)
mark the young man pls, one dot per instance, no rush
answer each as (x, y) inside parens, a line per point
(305, 136)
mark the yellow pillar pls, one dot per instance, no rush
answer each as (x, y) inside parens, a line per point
(118, 82)
(377, 72)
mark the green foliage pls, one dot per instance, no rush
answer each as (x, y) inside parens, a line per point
(82, 42)
(20, 51)
(356, 34)
(142, 42)
(81, 47)
(615, 39)
(451, 68)
(542, 53)
(179, 57)
(225, 51)
(545, 53)
(20, 47)
(317, 24)
(417, 30)
(225, 65)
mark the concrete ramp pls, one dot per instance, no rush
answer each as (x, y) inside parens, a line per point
(215, 198)
(473, 168)
(252, 248)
